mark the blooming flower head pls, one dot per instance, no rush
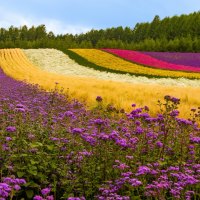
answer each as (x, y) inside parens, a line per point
(17, 187)
(37, 197)
(99, 99)
(143, 170)
(45, 191)
(5, 189)
(50, 197)
(68, 113)
(174, 113)
(159, 144)
(8, 138)
(77, 130)
(11, 129)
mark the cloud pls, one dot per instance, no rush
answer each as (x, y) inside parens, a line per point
(8, 18)
(59, 27)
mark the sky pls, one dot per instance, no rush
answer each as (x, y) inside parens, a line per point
(80, 16)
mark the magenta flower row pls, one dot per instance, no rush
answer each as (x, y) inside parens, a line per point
(143, 59)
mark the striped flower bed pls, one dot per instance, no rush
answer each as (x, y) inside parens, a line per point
(15, 64)
(109, 61)
(52, 60)
(143, 59)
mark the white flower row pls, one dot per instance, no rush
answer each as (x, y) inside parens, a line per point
(55, 61)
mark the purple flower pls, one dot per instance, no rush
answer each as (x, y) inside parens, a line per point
(8, 139)
(143, 170)
(127, 174)
(77, 130)
(159, 144)
(99, 121)
(189, 194)
(129, 157)
(146, 108)
(50, 197)
(139, 130)
(45, 191)
(68, 114)
(122, 142)
(17, 187)
(5, 189)
(135, 182)
(137, 122)
(37, 197)
(175, 100)
(11, 129)
(99, 99)
(195, 140)
(176, 193)
(174, 113)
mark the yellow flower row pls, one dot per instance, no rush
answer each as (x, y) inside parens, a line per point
(110, 61)
(16, 65)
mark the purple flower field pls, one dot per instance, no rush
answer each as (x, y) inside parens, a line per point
(188, 59)
(52, 147)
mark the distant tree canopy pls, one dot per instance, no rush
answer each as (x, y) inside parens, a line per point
(177, 33)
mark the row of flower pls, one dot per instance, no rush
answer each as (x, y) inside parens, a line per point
(189, 59)
(16, 65)
(54, 148)
(52, 60)
(147, 60)
(109, 61)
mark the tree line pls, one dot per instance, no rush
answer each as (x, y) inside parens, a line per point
(177, 33)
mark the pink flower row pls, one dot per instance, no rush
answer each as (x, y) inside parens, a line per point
(143, 59)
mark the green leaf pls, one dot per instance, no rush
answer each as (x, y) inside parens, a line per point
(33, 172)
(31, 184)
(29, 193)
(33, 162)
(50, 147)
(136, 197)
(20, 174)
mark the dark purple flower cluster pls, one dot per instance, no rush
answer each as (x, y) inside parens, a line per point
(9, 186)
(99, 99)
(45, 195)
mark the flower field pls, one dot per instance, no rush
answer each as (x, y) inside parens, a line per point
(146, 59)
(15, 64)
(54, 148)
(55, 61)
(118, 141)
(110, 61)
